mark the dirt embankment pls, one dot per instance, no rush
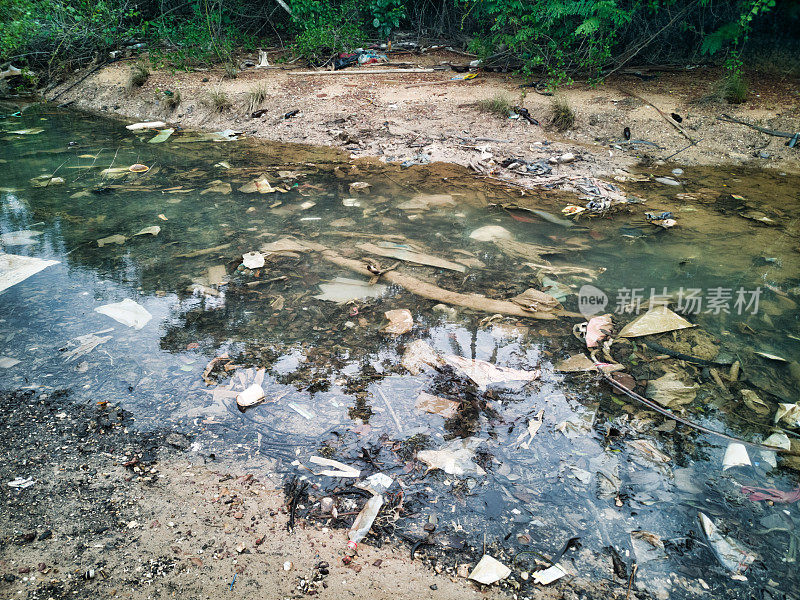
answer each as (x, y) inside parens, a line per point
(392, 117)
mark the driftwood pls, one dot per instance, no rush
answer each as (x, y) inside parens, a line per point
(783, 134)
(434, 292)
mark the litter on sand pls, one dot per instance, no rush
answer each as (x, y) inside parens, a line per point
(658, 319)
(400, 321)
(337, 469)
(484, 373)
(127, 312)
(454, 458)
(364, 520)
(489, 570)
(15, 268)
(549, 575)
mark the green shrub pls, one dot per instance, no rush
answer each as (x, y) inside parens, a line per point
(325, 29)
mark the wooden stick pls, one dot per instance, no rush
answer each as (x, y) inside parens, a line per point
(434, 292)
(391, 410)
(729, 119)
(665, 117)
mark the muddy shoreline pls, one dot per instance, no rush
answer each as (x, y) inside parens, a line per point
(116, 512)
(416, 118)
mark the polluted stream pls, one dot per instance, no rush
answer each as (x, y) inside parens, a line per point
(178, 274)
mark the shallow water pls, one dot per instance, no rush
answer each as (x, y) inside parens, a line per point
(329, 370)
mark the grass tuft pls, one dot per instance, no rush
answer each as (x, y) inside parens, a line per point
(218, 101)
(734, 89)
(256, 96)
(563, 115)
(498, 105)
(231, 70)
(139, 75)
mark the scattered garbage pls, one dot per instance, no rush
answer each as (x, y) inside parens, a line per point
(437, 405)
(145, 125)
(533, 428)
(549, 575)
(6, 362)
(251, 396)
(343, 289)
(670, 391)
(735, 456)
(338, 469)
(659, 319)
(112, 239)
(153, 230)
(490, 233)
(418, 356)
(21, 483)
(789, 414)
(253, 260)
(489, 570)
(363, 522)
(15, 269)
(454, 457)
(127, 312)
(402, 252)
(162, 136)
(84, 344)
(400, 321)
(484, 373)
(731, 555)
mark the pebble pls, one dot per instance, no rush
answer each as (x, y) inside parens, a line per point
(677, 171)
(566, 158)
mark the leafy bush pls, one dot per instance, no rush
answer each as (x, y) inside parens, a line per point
(47, 34)
(325, 29)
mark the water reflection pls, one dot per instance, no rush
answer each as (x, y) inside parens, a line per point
(334, 382)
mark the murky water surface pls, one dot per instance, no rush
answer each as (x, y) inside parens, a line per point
(332, 378)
